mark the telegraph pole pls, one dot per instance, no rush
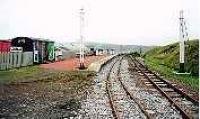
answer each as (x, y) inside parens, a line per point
(120, 49)
(140, 50)
(182, 36)
(81, 45)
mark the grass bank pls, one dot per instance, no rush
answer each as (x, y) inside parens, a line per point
(165, 60)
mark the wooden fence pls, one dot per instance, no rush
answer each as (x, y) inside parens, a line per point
(9, 60)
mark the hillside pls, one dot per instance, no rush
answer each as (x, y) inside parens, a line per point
(121, 48)
(116, 47)
(169, 56)
(165, 60)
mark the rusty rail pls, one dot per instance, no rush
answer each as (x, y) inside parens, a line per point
(169, 85)
(109, 93)
(114, 112)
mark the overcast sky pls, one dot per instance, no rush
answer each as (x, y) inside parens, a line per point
(138, 22)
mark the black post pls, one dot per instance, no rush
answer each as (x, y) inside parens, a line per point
(182, 68)
(82, 66)
(140, 51)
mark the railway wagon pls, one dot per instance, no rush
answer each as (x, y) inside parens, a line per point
(4, 54)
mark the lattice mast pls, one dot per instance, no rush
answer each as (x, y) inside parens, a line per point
(81, 43)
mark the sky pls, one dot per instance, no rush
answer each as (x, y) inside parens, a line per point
(132, 22)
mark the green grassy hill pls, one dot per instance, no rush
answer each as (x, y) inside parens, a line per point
(166, 60)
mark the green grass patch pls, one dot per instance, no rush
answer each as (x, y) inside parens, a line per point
(167, 72)
(18, 74)
(165, 60)
(33, 73)
(169, 56)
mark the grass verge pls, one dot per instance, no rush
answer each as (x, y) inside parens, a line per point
(36, 73)
(20, 73)
(188, 80)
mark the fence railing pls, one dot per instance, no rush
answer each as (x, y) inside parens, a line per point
(9, 60)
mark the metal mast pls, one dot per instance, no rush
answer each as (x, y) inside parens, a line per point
(183, 35)
(81, 45)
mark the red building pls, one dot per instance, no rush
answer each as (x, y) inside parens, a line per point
(5, 46)
(4, 54)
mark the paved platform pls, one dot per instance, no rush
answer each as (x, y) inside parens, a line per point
(71, 64)
(96, 66)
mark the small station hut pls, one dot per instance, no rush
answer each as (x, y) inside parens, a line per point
(35, 50)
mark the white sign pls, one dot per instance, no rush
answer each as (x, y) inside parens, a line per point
(16, 49)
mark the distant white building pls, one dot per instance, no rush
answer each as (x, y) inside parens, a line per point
(58, 54)
(111, 51)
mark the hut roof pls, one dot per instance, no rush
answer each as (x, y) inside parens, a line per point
(35, 39)
(4, 40)
(42, 39)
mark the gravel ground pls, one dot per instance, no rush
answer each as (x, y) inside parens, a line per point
(96, 106)
(126, 108)
(52, 98)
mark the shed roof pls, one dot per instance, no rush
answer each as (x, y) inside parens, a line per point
(99, 47)
(4, 40)
(35, 39)
(41, 39)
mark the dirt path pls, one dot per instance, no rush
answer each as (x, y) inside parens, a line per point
(70, 64)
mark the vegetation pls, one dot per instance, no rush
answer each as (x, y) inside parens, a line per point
(35, 73)
(135, 54)
(165, 60)
(21, 73)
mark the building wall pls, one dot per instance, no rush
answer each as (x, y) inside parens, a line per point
(5, 46)
(4, 54)
(50, 51)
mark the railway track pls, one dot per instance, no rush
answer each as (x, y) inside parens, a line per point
(108, 90)
(114, 107)
(187, 106)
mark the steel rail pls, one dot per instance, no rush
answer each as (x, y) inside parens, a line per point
(114, 112)
(184, 114)
(183, 94)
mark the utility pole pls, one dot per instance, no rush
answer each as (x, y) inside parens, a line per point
(140, 50)
(81, 45)
(120, 49)
(182, 36)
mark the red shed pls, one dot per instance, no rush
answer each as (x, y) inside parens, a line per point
(5, 46)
